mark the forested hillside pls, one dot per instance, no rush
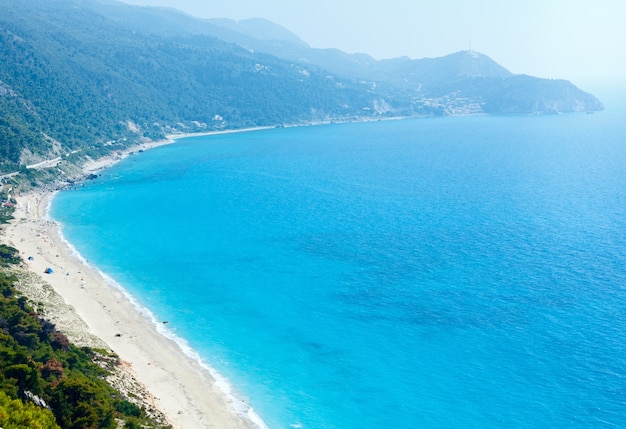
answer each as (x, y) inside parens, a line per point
(91, 76)
(47, 382)
(72, 76)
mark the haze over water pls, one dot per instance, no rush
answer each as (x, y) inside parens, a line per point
(454, 272)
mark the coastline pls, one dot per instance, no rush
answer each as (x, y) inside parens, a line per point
(166, 376)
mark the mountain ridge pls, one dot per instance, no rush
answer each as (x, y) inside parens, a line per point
(401, 76)
(88, 77)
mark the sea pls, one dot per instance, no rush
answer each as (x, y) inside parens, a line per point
(458, 272)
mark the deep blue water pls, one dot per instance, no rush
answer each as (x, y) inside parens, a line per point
(436, 273)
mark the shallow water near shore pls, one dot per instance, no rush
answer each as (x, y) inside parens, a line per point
(455, 272)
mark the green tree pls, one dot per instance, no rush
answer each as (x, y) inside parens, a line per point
(15, 414)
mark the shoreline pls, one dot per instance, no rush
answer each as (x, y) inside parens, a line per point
(94, 166)
(170, 379)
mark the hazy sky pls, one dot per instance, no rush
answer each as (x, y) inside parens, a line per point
(580, 40)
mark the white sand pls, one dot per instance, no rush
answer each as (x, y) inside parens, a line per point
(175, 384)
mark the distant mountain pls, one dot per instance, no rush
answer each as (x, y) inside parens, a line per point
(434, 71)
(74, 78)
(89, 76)
(259, 29)
(470, 82)
(449, 84)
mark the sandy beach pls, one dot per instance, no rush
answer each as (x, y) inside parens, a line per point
(93, 312)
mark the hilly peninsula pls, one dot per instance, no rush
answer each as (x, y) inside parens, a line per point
(83, 78)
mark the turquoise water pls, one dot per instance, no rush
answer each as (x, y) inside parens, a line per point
(437, 273)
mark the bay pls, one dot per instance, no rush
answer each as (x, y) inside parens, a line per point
(453, 272)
